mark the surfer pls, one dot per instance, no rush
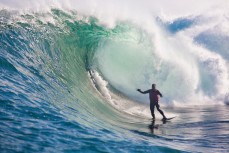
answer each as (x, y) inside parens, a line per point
(154, 99)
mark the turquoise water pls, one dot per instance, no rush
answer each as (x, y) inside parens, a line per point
(68, 84)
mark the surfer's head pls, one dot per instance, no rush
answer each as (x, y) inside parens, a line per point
(153, 86)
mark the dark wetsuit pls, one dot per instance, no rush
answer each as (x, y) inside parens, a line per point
(153, 96)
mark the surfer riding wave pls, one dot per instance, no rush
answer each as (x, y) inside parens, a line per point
(154, 99)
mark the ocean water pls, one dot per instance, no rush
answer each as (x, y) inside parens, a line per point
(69, 71)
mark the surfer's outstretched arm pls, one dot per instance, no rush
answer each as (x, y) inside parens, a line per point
(143, 92)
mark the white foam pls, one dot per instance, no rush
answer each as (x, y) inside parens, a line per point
(100, 85)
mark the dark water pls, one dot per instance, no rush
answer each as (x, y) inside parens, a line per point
(195, 129)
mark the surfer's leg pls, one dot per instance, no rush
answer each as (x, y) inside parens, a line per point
(152, 109)
(158, 108)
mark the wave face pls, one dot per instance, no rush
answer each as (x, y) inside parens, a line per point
(68, 77)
